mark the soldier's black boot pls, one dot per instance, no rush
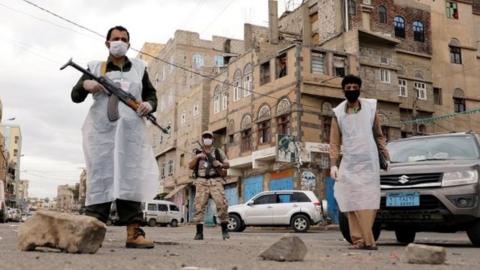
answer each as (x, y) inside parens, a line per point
(225, 234)
(199, 234)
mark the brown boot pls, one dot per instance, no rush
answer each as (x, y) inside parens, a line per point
(136, 237)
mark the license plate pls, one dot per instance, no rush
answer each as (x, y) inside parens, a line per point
(403, 199)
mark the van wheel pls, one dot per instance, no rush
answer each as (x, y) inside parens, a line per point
(152, 222)
(300, 223)
(405, 236)
(174, 223)
(473, 233)
(343, 222)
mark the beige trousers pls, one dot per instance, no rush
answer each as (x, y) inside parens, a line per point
(360, 224)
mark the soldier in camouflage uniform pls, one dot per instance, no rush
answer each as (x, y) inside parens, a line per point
(209, 184)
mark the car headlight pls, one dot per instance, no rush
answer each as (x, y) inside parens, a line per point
(460, 178)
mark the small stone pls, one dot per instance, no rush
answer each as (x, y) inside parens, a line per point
(288, 248)
(423, 254)
(112, 250)
(37, 257)
(66, 232)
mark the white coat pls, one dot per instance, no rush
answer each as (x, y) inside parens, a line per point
(119, 159)
(358, 185)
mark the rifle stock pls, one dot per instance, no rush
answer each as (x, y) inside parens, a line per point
(125, 97)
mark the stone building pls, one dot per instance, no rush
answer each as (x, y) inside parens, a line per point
(67, 198)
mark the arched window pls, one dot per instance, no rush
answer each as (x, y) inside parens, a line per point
(263, 126)
(197, 61)
(399, 24)
(264, 113)
(237, 85)
(382, 14)
(459, 101)
(247, 80)
(216, 99)
(246, 133)
(455, 51)
(283, 116)
(418, 31)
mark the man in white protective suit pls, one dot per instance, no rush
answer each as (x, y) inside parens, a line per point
(120, 164)
(357, 127)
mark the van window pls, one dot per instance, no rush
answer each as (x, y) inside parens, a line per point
(174, 208)
(162, 208)
(152, 207)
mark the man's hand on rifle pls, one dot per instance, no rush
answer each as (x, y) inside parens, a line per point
(144, 108)
(92, 86)
(217, 163)
(201, 156)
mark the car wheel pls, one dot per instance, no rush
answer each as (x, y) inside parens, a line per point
(152, 222)
(405, 236)
(235, 224)
(473, 233)
(343, 223)
(300, 223)
(174, 223)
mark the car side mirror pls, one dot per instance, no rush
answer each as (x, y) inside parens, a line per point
(250, 203)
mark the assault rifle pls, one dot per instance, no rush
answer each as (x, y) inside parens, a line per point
(221, 172)
(111, 88)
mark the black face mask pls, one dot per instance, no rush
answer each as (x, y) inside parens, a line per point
(352, 95)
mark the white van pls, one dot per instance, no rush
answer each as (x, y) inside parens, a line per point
(161, 212)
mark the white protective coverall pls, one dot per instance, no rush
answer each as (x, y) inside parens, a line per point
(358, 184)
(119, 158)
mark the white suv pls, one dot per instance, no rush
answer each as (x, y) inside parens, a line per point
(296, 208)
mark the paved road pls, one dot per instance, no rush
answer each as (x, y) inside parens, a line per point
(175, 250)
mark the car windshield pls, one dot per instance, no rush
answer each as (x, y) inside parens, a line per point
(431, 148)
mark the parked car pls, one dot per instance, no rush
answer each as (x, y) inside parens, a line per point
(432, 186)
(14, 215)
(295, 208)
(160, 212)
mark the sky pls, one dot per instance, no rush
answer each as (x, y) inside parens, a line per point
(34, 44)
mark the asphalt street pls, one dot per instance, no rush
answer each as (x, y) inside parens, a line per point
(175, 249)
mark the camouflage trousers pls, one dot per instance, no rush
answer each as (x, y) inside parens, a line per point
(210, 188)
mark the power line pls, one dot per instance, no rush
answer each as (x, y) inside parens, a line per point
(219, 14)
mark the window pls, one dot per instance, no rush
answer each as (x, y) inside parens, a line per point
(231, 138)
(247, 80)
(17, 138)
(182, 160)
(455, 55)
(382, 14)
(197, 61)
(237, 90)
(326, 126)
(352, 7)
(300, 197)
(162, 208)
(283, 124)
(171, 168)
(418, 31)
(459, 101)
(224, 101)
(284, 198)
(437, 96)
(402, 87)
(15, 152)
(216, 100)
(452, 10)
(281, 65)
(219, 61)
(385, 75)
(264, 132)
(246, 144)
(318, 62)
(399, 24)
(196, 110)
(184, 118)
(264, 73)
(266, 199)
(174, 208)
(421, 89)
(152, 207)
(339, 66)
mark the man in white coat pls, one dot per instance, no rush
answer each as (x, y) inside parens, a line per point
(356, 126)
(120, 164)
